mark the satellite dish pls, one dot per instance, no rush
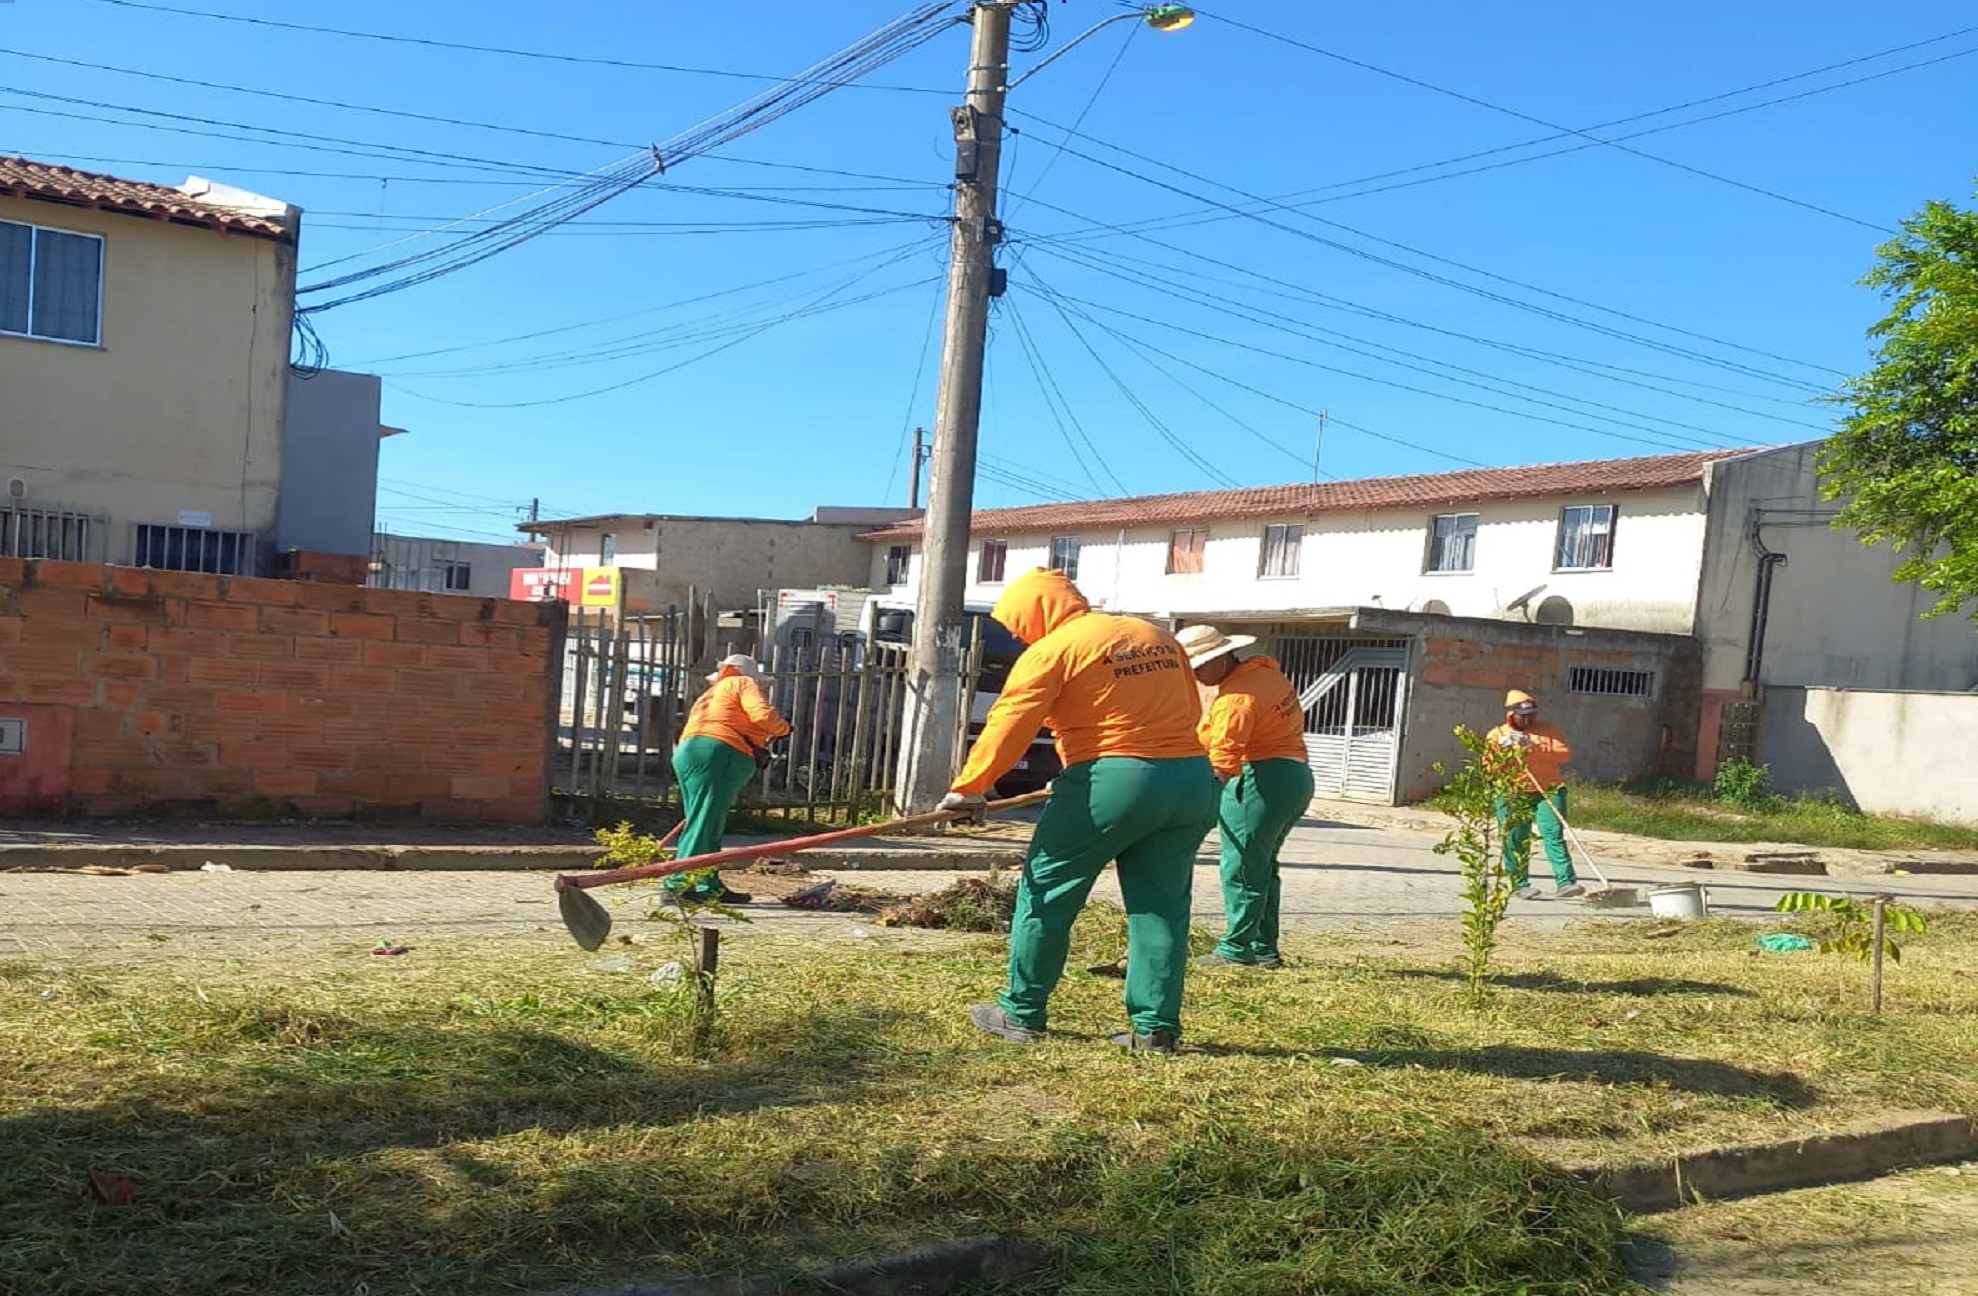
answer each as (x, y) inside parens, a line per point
(1520, 603)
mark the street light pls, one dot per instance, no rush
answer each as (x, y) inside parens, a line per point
(1162, 18)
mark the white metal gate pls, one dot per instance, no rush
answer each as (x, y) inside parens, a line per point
(1354, 692)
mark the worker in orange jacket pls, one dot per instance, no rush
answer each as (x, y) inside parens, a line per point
(728, 731)
(1136, 788)
(1255, 733)
(1542, 750)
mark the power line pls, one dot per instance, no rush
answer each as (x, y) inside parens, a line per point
(1065, 302)
(1058, 406)
(1432, 276)
(465, 47)
(913, 397)
(817, 307)
(1353, 345)
(1084, 255)
(887, 254)
(1167, 434)
(1461, 97)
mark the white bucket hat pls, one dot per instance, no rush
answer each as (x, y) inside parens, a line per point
(1205, 643)
(743, 664)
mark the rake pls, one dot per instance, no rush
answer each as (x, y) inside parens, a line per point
(1608, 896)
(589, 922)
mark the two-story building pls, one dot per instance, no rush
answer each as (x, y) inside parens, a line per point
(148, 412)
(1635, 594)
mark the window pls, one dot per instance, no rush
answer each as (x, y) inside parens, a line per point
(51, 283)
(898, 559)
(197, 549)
(1185, 549)
(1612, 683)
(456, 577)
(1281, 545)
(990, 562)
(47, 533)
(1452, 543)
(1586, 538)
(1064, 556)
(607, 549)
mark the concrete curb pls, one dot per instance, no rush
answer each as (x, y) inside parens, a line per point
(1893, 1142)
(931, 1271)
(182, 857)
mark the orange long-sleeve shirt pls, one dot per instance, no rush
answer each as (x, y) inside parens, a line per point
(1106, 685)
(1546, 756)
(734, 711)
(1255, 717)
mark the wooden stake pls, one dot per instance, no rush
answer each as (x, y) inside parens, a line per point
(1881, 904)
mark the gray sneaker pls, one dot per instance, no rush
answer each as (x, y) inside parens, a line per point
(991, 1018)
(1572, 892)
(1525, 893)
(1162, 1042)
(1269, 963)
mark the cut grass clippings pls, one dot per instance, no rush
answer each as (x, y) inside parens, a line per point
(494, 1116)
(1692, 815)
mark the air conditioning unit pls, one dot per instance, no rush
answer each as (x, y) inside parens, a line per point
(16, 489)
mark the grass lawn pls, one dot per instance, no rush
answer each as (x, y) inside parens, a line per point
(1686, 814)
(495, 1116)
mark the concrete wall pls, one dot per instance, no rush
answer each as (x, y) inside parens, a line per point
(329, 493)
(732, 557)
(416, 563)
(155, 692)
(180, 409)
(1376, 559)
(1885, 752)
(1463, 668)
(1836, 619)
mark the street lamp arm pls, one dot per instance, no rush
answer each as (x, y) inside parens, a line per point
(1163, 17)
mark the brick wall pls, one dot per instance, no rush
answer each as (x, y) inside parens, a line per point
(1464, 667)
(233, 696)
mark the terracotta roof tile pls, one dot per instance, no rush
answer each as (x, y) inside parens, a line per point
(19, 176)
(1469, 486)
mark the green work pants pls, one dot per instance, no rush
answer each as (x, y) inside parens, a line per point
(1260, 807)
(712, 774)
(1151, 816)
(1517, 816)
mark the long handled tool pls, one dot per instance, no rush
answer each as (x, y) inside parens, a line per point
(1571, 835)
(589, 922)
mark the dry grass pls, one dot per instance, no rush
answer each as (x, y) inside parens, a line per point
(492, 1115)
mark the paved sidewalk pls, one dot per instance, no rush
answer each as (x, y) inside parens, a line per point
(1337, 878)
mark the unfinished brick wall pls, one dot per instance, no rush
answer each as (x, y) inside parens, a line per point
(1463, 673)
(180, 692)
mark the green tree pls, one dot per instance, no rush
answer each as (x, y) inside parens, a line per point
(1905, 461)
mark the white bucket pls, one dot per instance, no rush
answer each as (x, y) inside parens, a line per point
(1682, 900)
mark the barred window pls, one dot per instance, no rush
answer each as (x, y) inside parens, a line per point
(195, 549)
(1611, 683)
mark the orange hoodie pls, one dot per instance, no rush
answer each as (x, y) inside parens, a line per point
(1107, 685)
(735, 712)
(1255, 717)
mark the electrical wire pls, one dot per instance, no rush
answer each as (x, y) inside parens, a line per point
(1069, 303)
(1167, 434)
(594, 189)
(1438, 278)
(820, 306)
(1085, 255)
(465, 47)
(887, 254)
(1430, 365)
(913, 398)
(1051, 159)
(1462, 97)
(1059, 407)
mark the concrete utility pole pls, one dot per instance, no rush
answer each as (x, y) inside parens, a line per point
(935, 701)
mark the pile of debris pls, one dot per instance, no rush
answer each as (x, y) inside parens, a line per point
(970, 905)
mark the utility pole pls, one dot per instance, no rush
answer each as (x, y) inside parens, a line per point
(1319, 446)
(919, 462)
(936, 700)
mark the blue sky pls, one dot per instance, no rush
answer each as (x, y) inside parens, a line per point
(768, 350)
